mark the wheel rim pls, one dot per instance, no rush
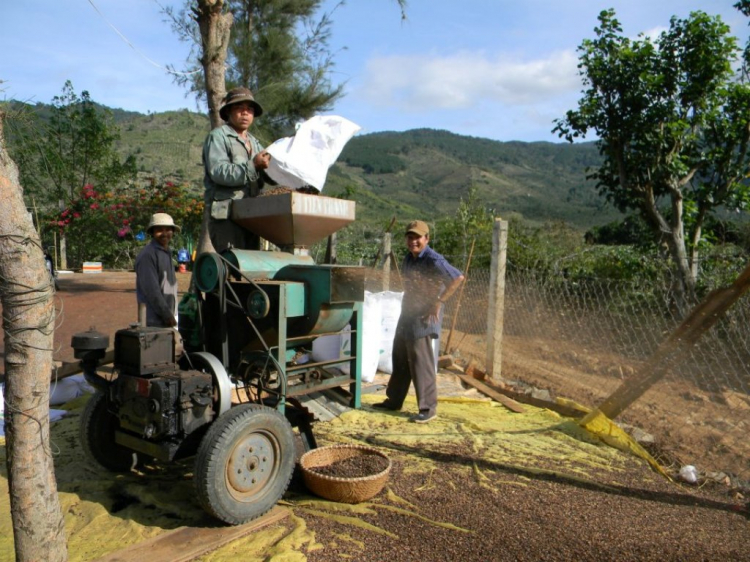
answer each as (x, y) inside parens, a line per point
(252, 465)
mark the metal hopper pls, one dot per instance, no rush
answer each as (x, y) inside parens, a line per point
(292, 218)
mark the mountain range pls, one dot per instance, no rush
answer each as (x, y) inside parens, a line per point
(418, 173)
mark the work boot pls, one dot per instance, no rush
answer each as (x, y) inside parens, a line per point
(385, 405)
(423, 417)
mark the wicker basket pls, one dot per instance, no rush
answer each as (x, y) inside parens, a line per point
(347, 490)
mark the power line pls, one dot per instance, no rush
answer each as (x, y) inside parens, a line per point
(127, 41)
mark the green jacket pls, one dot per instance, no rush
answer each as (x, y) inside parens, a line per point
(228, 165)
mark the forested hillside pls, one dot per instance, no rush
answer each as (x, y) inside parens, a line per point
(415, 173)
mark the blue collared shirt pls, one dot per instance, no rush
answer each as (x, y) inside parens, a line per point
(425, 277)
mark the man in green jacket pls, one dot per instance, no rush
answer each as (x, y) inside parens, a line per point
(233, 161)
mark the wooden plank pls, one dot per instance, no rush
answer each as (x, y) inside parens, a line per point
(188, 543)
(70, 368)
(672, 351)
(492, 393)
(568, 411)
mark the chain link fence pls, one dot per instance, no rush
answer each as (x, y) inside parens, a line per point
(580, 339)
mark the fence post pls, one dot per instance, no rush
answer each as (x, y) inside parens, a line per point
(385, 262)
(497, 299)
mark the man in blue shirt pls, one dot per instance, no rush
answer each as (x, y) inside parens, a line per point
(429, 281)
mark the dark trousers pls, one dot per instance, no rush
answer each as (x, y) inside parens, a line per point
(413, 361)
(225, 234)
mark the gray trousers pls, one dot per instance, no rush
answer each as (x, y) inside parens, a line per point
(413, 361)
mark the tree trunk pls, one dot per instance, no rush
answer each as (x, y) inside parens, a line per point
(215, 26)
(672, 233)
(28, 322)
(678, 250)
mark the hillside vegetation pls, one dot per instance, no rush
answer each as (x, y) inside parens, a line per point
(421, 172)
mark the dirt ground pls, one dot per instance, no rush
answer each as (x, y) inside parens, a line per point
(480, 483)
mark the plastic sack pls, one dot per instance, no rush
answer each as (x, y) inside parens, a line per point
(328, 348)
(304, 159)
(390, 310)
(371, 321)
(64, 390)
(333, 346)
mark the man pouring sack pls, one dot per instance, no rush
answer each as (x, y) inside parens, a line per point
(234, 163)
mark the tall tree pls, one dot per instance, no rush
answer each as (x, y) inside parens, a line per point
(673, 124)
(298, 81)
(277, 48)
(75, 147)
(28, 324)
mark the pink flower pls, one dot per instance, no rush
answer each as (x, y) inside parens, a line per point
(123, 232)
(76, 215)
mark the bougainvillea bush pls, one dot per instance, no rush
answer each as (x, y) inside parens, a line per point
(110, 225)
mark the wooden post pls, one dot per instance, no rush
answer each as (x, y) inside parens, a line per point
(672, 351)
(385, 263)
(497, 299)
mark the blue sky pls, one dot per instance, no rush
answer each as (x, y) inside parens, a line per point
(499, 69)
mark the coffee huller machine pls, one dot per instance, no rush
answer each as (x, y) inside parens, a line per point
(232, 397)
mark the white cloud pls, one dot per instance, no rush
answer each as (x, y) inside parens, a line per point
(424, 83)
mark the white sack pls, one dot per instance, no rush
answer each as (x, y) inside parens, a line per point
(333, 346)
(390, 309)
(371, 320)
(304, 159)
(64, 390)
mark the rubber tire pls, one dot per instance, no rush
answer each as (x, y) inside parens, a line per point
(247, 425)
(98, 426)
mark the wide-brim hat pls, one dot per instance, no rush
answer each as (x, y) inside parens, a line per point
(238, 95)
(161, 219)
(419, 228)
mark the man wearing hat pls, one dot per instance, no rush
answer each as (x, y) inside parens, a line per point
(155, 279)
(429, 281)
(233, 162)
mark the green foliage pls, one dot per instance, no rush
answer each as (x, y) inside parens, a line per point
(672, 123)
(109, 226)
(472, 224)
(75, 146)
(278, 49)
(632, 230)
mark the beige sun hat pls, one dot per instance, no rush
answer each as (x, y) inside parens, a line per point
(161, 219)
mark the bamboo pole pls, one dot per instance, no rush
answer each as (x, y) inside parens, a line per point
(672, 350)
(460, 297)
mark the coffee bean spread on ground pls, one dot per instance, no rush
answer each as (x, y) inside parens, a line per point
(357, 466)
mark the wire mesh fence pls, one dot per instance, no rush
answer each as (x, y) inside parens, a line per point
(580, 339)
